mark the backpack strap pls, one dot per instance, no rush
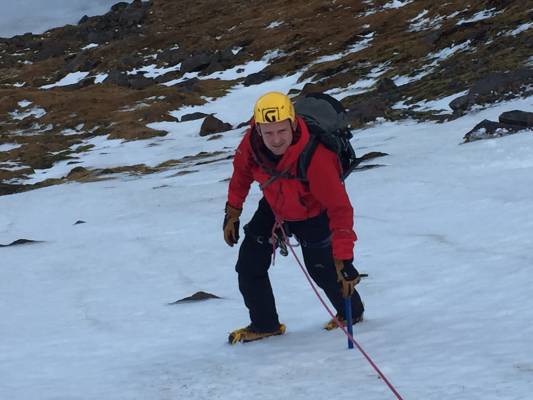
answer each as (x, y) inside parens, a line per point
(305, 157)
(275, 175)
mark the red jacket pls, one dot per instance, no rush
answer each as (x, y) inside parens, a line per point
(289, 198)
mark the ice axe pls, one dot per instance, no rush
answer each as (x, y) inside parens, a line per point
(348, 318)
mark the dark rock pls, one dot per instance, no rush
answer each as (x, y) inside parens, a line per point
(213, 67)
(480, 34)
(196, 62)
(119, 6)
(78, 222)
(367, 110)
(139, 82)
(187, 86)
(19, 242)
(51, 48)
(140, 4)
(22, 41)
(386, 85)
(370, 156)
(213, 125)
(461, 103)
(83, 83)
(198, 296)
(499, 82)
(79, 62)
(215, 137)
(517, 118)
(494, 87)
(193, 116)
(100, 36)
(117, 77)
(172, 57)
(258, 77)
(226, 56)
(131, 61)
(327, 73)
(243, 124)
(132, 16)
(83, 20)
(432, 37)
(78, 172)
(167, 77)
(489, 129)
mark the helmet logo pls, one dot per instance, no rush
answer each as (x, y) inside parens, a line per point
(271, 114)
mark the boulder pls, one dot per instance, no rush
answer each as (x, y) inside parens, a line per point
(213, 67)
(492, 88)
(193, 116)
(490, 129)
(169, 76)
(226, 56)
(51, 48)
(461, 103)
(517, 118)
(117, 77)
(83, 83)
(83, 20)
(132, 16)
(196, 63)
(213, 125)
(386, 85)
(172, 57)
(122, 5)
(79, 62)
(20, 242)
(188, 85)
(100, 37)
(78, 173)
(258, 77)
(22, 41)
(139, 82)
(198, 296)
(367, 111)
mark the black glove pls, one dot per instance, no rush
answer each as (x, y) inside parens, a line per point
(347, 276)
(231, 225)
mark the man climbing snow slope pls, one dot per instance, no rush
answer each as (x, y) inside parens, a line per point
(317, 211)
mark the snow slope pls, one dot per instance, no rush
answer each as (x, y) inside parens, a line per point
(445, 233)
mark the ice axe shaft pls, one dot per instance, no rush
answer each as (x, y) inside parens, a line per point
(348, 318)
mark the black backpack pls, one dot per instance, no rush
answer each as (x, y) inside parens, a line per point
(326, 119)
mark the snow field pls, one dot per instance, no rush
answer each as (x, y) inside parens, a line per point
(444, 233)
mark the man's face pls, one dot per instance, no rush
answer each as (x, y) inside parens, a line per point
(277, 136)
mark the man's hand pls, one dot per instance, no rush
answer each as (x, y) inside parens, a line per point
(231, 225)
(347, 276)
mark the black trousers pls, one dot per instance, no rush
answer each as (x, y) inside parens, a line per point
(254, 261)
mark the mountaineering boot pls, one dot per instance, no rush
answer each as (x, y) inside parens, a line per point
(249, 334)
(333, 325)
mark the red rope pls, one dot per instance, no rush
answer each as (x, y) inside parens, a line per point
(279, 224)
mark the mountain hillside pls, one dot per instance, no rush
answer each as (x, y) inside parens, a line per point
(122, 74)
(127, 124)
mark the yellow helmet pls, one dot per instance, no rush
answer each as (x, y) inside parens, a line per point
(273, 107)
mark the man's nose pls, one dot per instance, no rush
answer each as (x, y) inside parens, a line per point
(277, 138)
